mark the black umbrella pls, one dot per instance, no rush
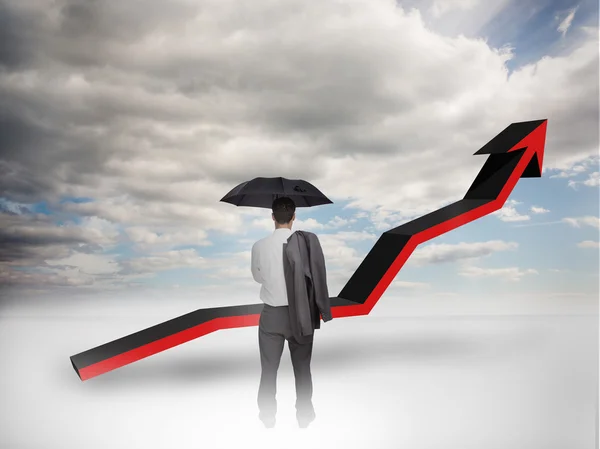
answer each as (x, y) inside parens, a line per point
(260, 192)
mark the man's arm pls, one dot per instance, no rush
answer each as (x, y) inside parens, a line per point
(255, 265)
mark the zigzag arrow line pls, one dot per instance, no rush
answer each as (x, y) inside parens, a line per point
(517, 152)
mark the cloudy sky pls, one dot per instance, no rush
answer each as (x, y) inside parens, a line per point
(123, 124)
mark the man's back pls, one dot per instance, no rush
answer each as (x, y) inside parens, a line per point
(274, 326)
(267, 267)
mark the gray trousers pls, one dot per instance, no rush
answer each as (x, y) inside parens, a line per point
(273, 330)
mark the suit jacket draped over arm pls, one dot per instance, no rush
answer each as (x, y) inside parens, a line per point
(306, 283)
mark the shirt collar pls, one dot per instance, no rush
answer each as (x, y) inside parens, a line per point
(282, 230)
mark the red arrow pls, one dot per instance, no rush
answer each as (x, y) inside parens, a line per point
(517, 152)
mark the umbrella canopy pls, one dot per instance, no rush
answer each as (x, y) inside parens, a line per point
(260, 192)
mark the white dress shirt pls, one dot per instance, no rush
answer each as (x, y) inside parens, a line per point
(267, 267)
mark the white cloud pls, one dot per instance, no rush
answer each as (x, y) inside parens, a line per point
(509, 212)
(89, 263)
(339, 222)
(589, 244)
(337, 250)
(446, 294)
(169, 260)
(187, 216)
(444, 253)
(341, 258)
(38, 229)
(539, 210)
(164, 123)
(510, 274)
(593, 180)
(574, 167)
(409, 285)
(578, 222)
(565, 24)
(308, 224)
(37, 251)
(441, 7)
(232, 267)
(545, 223)
(98, 229)
(153, 153)
(146, 238)
(64, 278)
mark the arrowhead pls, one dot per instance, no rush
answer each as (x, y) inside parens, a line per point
(518, 136)
(535, 141)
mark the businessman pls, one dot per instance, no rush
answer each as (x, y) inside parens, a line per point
(274, 326)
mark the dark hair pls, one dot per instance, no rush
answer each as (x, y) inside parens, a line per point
(283, 209)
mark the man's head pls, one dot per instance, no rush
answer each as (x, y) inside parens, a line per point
(284, 212)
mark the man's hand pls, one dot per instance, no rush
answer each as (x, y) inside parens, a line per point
(326, 317)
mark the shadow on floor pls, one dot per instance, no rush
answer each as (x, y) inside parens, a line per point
(328, 356)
